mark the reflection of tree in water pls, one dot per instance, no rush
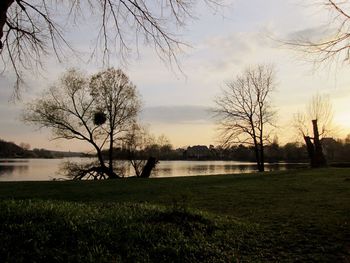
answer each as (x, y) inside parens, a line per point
(6, 170)
(212, 169)
(190, 169)
(170, 169)
(10, 169)
(275, 167)
(198, 169)
(162, 171)
(241, 168)
(284, 166)
(219, 168)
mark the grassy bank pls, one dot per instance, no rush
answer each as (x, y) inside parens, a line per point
(301, 215)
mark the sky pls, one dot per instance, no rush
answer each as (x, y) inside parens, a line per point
(222, 44)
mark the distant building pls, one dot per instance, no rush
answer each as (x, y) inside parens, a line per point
(197, 152)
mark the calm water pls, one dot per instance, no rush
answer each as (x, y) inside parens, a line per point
(49, 169)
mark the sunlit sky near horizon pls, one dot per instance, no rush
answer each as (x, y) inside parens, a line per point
(223, 44)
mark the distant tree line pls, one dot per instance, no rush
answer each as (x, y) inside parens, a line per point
(292, 152)
(12, 150)
(336, 150)
(159, 151)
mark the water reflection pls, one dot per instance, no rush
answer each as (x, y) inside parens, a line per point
(190, 168)
(48, 169)
(8, 167)
(9, 170)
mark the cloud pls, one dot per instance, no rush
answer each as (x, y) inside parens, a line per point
(177, 115)
(312, 34)
(6, 89)
(236, 42)
(228, 53)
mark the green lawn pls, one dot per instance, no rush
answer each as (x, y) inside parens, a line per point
(294, 216)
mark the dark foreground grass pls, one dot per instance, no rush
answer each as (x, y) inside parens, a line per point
(294, 216)
(51, 231)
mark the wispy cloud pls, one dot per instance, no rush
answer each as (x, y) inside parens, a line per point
(312, 34)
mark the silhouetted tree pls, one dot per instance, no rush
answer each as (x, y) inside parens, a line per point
(244, 110)
(69, 110)
(319, 115)
(30, 29)
(336, 40)
(137, 140)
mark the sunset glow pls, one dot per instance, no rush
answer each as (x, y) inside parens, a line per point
(222, 45)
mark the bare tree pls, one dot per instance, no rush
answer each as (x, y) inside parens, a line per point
(137, 141)
(335, 44)
(30, 29)
(98, 111)
(245, 112)
(116, 97)
(320, 115)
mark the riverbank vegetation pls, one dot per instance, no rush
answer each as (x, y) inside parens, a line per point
(296, 215)
(336, 151)
(12, 150)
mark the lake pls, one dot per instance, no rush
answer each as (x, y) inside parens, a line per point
(49, 169)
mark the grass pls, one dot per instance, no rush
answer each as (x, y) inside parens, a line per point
(293, 216)
(54, 231)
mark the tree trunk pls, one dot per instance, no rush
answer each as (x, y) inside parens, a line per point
(151, 163)
(261, 151)
(257, 156)
(106, 170)
(310, 150)
(319, 158)
(314, 149)
(110, 154)
(256, 149)
(4, 6)
(99, 155)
